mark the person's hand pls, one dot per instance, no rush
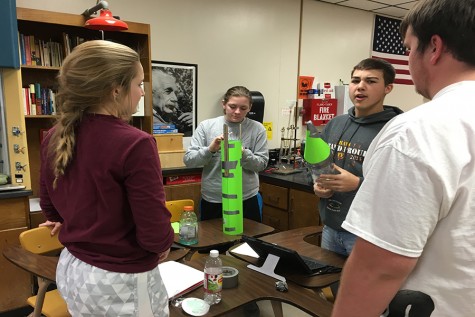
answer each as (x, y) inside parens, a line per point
(343, 182)
(322, 192)
(162, 256)
(56, 226)
(186, 118)
(215, 145)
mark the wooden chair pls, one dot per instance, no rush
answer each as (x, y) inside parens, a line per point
(47, 303)
(176, 207)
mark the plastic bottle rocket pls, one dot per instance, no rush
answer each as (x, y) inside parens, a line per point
(231, 155)
(317, 153)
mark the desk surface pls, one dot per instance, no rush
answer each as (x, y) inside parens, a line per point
(300, 240)
(45, 266)
(210, 233)
(254, 286)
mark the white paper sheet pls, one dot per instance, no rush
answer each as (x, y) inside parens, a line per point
(179, 278)
(245, 249)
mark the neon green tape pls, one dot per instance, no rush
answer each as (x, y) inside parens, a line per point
(232, 189)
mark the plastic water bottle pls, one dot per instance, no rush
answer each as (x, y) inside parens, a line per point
(213, 281)
(317, 154)
(188, 226)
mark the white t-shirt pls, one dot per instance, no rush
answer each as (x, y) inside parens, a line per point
(418, 197)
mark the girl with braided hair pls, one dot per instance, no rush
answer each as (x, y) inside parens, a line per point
(101, 188)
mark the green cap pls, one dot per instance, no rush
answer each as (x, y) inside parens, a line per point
(316, 150)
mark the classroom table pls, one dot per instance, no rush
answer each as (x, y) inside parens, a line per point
(45, 266)
(210, 234)
(302, 240)
(254, 286)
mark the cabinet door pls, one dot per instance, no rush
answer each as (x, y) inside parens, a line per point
(303, 211)
(275, 196)
(14, 213)
(276, 218)
(15, 283)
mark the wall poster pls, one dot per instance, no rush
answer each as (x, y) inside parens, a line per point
(174, 95)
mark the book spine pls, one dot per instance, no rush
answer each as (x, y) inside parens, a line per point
(26, 107)
(38, 99)
(32, 100)
(44, 102)
(27, 50)
(22, 49)
(32, 50)
(163, 126)
(52, 102)
(164, 131)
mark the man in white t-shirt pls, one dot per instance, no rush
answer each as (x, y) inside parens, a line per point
(415, 211)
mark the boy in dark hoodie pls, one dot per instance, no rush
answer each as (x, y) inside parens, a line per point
(349, 137)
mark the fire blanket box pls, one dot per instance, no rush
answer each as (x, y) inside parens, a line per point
(320, 111)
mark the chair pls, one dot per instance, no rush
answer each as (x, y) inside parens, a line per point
(176, 207)
(48, 303)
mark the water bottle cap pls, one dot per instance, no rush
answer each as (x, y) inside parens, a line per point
(188, 208)
(214, 253)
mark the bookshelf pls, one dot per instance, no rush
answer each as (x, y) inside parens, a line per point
(66, 29)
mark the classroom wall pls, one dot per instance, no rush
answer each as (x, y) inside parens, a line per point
(254, 43)
(334, 40)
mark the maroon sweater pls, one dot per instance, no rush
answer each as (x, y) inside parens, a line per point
(111, 199)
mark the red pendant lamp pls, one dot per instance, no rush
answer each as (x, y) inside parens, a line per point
(105, 21)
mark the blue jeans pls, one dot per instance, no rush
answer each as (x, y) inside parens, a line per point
(341, 242)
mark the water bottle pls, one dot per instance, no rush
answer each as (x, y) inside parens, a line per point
(317, 154)
(188, 226)
(213, 281)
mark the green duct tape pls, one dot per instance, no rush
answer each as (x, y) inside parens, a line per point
(232, 189)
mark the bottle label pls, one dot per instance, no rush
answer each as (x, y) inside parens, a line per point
(187, 232)
(213, 283)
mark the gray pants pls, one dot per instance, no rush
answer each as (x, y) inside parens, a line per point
(91, 291)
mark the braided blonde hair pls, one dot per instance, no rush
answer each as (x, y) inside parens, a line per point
(86, 81)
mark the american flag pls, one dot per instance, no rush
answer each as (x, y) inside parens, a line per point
(388, 45)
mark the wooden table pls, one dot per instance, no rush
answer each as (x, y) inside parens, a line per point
(254, 286)
(301, 240)
(210, 234)
(45, 266)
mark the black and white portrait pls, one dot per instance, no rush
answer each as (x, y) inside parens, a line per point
(174, 96)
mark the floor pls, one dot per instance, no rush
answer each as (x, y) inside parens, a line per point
(266, 311)
(264, 306)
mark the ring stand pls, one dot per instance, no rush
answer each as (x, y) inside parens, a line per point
(268, 267)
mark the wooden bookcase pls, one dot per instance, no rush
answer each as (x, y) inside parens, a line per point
(52, 26)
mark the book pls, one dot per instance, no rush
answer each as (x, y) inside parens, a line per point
(163, 126)
(179, 278)
(22, 49)
(32, 99)
(164, 131)
(26, 100)
(38, 99)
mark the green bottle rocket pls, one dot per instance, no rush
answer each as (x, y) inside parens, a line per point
(231, 155)
(317, 153)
